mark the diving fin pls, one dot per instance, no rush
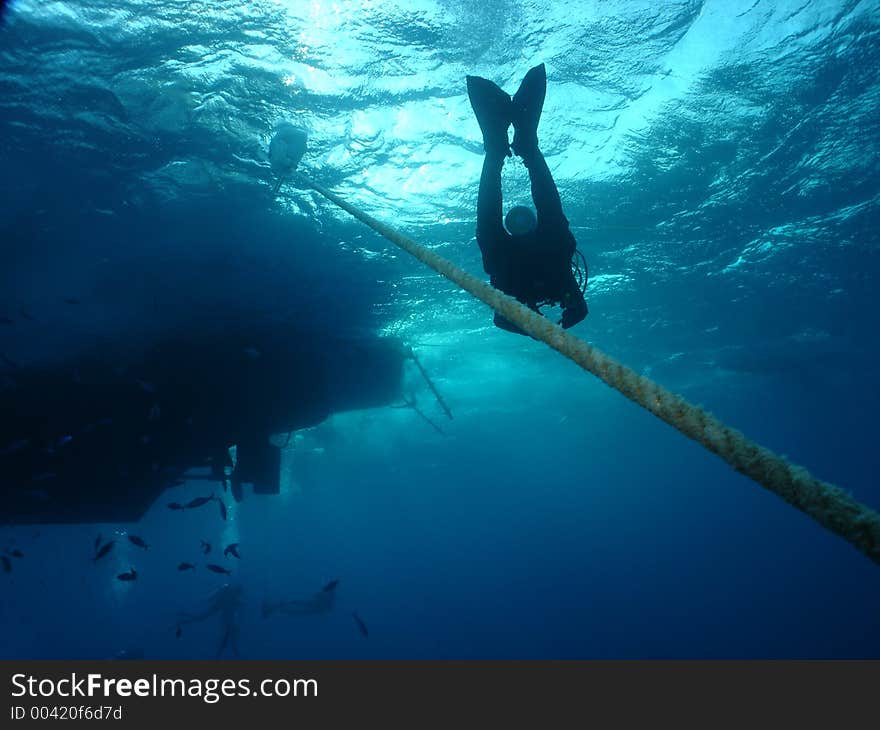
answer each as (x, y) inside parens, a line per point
(492, 107)
(528, 102)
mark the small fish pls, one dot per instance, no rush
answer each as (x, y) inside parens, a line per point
(129, 576)
(139, 541)
(155, 412)
(178, 482)
(7, 564)
(72, 300)
(9, 362)
(105, 548)
(175, 505)
(146, 386)
(186, 566)
(43, 476)
(330, 586)
(146, 439)
(15, 553)
(362, 627)
(206, 547)
(64, 440)
(222, 509)
(218, 569)
(252, 352)
(97, 543)
(25, 314)
(231, 550)
(199, 501)
(178, 631)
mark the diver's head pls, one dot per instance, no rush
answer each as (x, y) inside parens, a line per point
(520, 220)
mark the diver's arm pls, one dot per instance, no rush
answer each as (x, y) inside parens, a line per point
(490, 227)
(189, 618)
(574, 311)
(574, 306)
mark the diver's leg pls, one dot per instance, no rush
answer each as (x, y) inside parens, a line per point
(490, 221)
(527, 104)
(233, 642)
(224, 640)
(492, 108)
(230, 639)
(544, 192)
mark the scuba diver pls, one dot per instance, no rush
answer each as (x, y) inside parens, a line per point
(321, 602)
(533, 260)
(226, 603)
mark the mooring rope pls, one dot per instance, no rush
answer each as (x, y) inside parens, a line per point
(430, 383)
(830, 506)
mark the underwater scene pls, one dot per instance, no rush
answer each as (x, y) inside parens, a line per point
(237, 421)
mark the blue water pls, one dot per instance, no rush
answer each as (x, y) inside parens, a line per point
(718, 162)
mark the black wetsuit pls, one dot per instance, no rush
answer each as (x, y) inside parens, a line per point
(535, 268)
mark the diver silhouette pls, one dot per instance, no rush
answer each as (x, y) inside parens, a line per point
(532, 259)
(226, 603)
